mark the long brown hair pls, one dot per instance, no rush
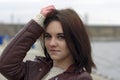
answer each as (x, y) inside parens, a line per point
(75, 35)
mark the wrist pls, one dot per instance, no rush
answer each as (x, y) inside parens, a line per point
(39, 18)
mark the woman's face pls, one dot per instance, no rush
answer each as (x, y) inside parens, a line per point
(55, 42)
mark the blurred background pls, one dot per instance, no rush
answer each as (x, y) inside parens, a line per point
(102, 20)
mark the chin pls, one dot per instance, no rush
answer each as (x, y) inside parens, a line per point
(54, 58)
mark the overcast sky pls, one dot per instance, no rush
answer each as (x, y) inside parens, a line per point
(97, 11)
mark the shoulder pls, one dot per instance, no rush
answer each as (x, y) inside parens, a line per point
(84, 76)
(40, 61)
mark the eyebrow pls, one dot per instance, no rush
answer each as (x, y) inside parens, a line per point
(57, 33)
(46, 33)
(60, 34)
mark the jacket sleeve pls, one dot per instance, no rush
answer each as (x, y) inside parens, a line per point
(11, 60)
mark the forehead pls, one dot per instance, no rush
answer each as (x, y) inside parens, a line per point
(54, 27)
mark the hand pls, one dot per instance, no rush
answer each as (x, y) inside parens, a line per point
(44, 11)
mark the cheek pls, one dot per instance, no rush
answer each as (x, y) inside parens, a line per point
(46, 44)
(64, 47)
(67, 51)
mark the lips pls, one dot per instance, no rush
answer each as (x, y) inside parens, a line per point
(54, 51)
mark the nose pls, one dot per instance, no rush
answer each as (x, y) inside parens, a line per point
(53, 42)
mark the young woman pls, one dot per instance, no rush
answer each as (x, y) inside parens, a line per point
(66, 47)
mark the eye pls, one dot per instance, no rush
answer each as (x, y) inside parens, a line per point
(47, 36)
(62, 37)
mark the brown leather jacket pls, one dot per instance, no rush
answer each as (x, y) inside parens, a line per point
(13, 67)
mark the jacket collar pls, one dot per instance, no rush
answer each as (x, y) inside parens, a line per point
(44, 60)
(72, 68)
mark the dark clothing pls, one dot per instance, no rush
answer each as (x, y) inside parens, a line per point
(13, 67)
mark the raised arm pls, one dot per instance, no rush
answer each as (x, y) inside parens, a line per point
(11, 60)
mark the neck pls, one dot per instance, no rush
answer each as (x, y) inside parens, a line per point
(64, 64)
